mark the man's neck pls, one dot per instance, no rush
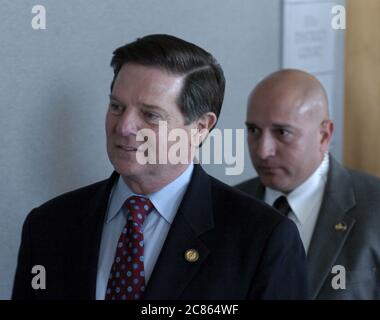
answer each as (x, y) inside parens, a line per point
(152, 183)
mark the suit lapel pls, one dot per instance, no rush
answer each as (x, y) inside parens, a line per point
(92, 220)
(332, 228)
(172, 272)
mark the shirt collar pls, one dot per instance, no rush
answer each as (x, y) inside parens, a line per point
(304, 193)
(166, 201)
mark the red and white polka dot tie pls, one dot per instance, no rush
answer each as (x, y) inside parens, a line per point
(127, 277)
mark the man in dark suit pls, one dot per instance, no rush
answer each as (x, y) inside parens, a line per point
(161, 230)
(335, 209)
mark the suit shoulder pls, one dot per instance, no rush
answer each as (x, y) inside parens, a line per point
(69, 202)
(76, 195)
(234, 192)
(247, 185)
(250, 222)
(367, 195)
(364, 182)
(243, 203)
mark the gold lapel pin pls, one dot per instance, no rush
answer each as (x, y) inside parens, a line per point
(191, 255)
(341, 226)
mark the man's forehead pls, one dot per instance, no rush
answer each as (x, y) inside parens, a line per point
(277, 104)
(271, 116)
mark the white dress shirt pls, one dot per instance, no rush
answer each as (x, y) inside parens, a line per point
(305, 201)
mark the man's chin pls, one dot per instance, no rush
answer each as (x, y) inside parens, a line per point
(127, 169)
(274, 182)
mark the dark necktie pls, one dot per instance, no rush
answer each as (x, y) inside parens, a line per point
(127, 276)
(282, 205)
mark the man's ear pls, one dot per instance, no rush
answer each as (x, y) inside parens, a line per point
(206, 121)
(326, 130)
(202, 127)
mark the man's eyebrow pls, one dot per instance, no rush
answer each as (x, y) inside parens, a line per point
(112, 97)
(153, 107)
(282, 126)
(250, 124)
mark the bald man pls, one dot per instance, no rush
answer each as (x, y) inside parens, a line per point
(336, 210)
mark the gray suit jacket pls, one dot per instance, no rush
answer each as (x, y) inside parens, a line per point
(347, 233)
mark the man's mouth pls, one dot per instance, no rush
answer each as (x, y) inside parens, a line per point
(126, 148)
(268, 169)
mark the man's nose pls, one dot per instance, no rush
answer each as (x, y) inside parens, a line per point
(266, 147)
(127, 123)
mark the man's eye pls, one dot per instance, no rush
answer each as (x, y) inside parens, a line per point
(252, 130)
(283, 132)
(150, 116)
(115, 108)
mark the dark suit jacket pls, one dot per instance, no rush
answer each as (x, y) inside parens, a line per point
(246, 249)
(352, 199)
